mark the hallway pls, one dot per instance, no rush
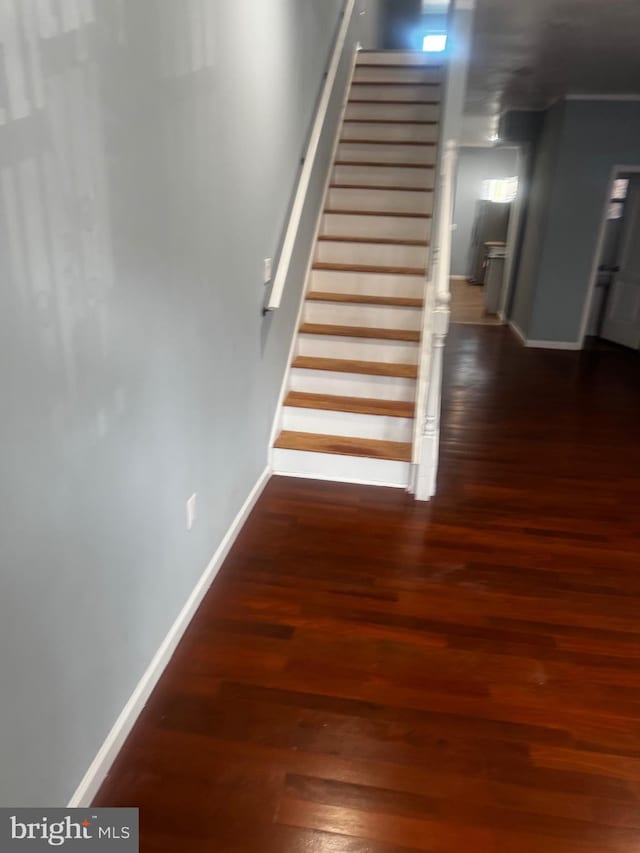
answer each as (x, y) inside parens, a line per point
(372, 674)
(467, 305)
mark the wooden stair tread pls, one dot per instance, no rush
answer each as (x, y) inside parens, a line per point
(409, 66)
(344, 365)
(373, 268)
(344, 141)
(377, 187)
(385, 241)
(393, 83)
(353, 405)
(378, 165)
(431, 103)
(397, 451)
(396, 213)
(388, 121)
(360, 332)
(364, 299)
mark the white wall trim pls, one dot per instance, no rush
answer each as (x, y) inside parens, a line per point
(533, 344)
(106, 755)
(291, 235)
(567, 345)
(275, 428)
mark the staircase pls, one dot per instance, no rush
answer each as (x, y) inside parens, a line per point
(348, 413)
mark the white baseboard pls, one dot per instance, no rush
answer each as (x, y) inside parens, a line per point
(532, 344)
(101, 764)
(515, 328)
(568, 345)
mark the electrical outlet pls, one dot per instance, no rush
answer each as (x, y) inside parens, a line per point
(268, 270)
(191, 511)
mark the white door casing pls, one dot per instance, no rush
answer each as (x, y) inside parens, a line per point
(622, 317)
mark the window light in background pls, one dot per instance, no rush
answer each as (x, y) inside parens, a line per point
(618, 198)
(620, 189)
(435, 43)
(501, 190)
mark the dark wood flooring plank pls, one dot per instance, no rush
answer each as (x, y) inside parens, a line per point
(368, 673)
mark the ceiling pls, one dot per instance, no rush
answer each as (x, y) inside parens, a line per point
(527, 53)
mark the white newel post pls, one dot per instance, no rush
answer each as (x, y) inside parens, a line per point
(436, 329)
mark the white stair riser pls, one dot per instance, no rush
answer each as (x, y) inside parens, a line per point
(383, 176)
(382, 199)
(390, 132)
(393, 93)
(377, 284)
(389, 153)
(352, 384)
(390, 113)
(371, 254)
(398, 57)
(347, 423)
(393, 112)
(401, 75)
(402, 228)
(346, 469)
(358, 349)
(371, 316)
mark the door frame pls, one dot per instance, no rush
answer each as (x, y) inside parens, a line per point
(515, 215)
(513, 234)
(586, 311)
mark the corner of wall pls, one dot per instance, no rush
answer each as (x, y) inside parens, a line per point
(537, 224)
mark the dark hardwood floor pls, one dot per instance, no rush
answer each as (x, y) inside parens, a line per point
(372, 674)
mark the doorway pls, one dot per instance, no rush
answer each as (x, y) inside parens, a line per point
(614, 308)
(486, 196)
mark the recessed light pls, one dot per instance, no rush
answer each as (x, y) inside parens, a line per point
(435, 43)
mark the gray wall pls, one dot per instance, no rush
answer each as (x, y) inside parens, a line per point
(459, 46)
(401, 24)
(475, 165)
(583, 141)
(370, 25)
(540, 189)
(148, 156)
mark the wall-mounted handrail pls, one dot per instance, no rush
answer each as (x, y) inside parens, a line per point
(291, 233)
(434, 333)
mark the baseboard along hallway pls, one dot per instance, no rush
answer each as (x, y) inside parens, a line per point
(372, 673)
